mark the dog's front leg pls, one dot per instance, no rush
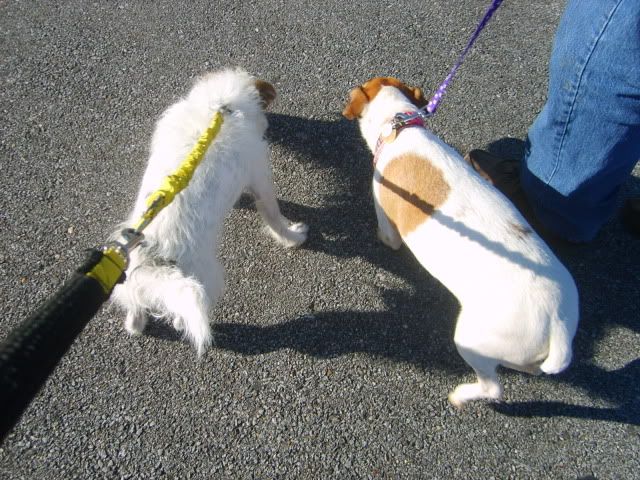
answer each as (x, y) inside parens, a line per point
(387, 232)
(287, 233)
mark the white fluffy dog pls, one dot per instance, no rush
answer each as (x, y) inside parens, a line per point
(175, 274)
(519, 304)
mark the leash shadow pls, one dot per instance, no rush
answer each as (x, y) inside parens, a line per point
(464, 231)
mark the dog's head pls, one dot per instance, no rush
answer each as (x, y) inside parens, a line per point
(360, 96)
(266, 91)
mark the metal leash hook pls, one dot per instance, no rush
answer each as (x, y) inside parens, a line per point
(402, 120)
(129, 239)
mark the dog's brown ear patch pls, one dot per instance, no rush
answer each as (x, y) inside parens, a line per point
(415, 95)
(357, 101)
(267, 92)
(411, 189)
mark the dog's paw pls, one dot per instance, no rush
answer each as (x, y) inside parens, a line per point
(481, 390)
(455, 401)
(297, 234)
(301, 228)
(134, 324)
(289, 236)
(134, 332)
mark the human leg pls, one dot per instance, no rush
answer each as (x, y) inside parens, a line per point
(586, 141)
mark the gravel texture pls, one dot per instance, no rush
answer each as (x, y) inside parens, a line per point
(331, 361)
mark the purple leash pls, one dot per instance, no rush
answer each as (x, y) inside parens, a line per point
(437, 97)
(419, 118)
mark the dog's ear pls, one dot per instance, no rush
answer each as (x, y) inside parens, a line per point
(357, 101)
(267, 92)
(418, 97)
(414, 94)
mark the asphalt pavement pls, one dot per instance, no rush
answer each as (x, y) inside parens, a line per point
(330, 361)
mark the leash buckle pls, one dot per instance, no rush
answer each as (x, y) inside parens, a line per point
(129, 239)
(402, 120)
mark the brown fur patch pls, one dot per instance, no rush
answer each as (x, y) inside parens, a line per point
(357, 100)
(412, 188)
(360, 96)
(267, 92)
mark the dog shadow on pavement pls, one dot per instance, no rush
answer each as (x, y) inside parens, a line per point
(619, 387)
(413, 322)
(401, 335)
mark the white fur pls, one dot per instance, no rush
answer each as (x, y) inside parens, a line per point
(176, 274)
(519, 304)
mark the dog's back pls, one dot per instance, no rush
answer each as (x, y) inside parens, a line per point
(175, 274)
(224, 171)
(519, 303)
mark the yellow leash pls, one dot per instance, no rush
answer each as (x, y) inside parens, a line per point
(115, 259)
(175, 182)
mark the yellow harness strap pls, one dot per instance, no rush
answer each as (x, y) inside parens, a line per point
(175, 182)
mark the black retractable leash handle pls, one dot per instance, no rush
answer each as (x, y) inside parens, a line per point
(32, 351)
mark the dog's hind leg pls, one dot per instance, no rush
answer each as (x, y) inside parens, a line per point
(487, 387)
(135, 321)
(286, 233)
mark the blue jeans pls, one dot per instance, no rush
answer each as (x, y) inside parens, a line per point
(586, 140)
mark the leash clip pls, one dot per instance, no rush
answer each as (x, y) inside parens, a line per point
(129, 239)
(402, 120)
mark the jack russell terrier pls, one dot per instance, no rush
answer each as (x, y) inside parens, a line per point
(519, 304)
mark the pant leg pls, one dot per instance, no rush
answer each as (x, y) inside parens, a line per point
(586, 141)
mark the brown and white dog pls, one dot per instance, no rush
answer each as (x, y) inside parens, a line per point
(519, 304)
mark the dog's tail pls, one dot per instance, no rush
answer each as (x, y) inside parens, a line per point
(563, 326)
(165, 292)
(560, 349)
